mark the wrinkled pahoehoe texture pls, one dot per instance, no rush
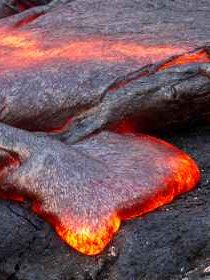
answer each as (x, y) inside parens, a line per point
(86, 190)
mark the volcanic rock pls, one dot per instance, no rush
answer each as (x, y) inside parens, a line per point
(96, 43)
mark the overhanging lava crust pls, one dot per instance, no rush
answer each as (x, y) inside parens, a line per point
(86, 190)
(69, 80)
(157, 100)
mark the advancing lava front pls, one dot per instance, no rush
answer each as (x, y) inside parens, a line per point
(84, 173)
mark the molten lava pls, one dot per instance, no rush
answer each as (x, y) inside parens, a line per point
(115, 198)
(88, 239)
(200, 56)
(87, 190)
(22, 49)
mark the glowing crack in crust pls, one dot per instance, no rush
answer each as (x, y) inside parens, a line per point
(86, 190)
(71, 76)
(65, 78)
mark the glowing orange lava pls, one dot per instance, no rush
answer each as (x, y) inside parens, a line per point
(90, 241)
(201, 56)
(91, 233)
(21, 49)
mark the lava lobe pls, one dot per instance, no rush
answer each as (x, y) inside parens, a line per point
(86, 190)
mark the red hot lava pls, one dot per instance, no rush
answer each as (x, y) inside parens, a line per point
(137, 175)
(25, 49)
(182, 174)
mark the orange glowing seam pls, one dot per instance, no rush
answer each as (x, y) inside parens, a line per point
(197, 57)
(25, 49)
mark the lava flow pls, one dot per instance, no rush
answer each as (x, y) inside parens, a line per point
(90, 241)
(84, 191)
(90, 235)
(23, 49)
(200, 56)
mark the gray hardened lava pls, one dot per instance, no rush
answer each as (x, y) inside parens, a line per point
(163, 245)
(86, 190)
(71, 63)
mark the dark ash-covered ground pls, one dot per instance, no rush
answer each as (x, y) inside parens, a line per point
(171, 243)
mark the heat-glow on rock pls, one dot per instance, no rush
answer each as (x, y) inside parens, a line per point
(24, 49)
(86, 190)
